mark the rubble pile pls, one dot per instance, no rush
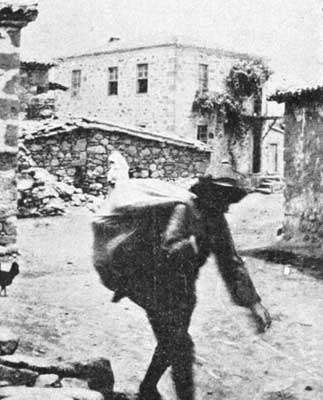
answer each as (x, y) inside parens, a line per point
(41, 194)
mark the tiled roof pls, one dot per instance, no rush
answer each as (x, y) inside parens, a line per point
(309, 94)
(16, 14)
(36, 64)
(308, 89)
(30, 129)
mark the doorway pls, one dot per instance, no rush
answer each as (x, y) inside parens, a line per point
(273, 158)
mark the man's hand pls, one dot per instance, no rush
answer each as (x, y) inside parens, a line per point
(261, 316)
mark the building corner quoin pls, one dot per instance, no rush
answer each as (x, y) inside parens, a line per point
(13, 18)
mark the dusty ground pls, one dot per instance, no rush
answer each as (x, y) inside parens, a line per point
(60, 310)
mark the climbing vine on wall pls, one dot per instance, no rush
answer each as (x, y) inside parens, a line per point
(244, 80)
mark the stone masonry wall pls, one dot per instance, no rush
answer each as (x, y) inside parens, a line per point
(304, 172)
(12, 20)
(219, 65)
(188, 60)
(173, 82)
(153, 110)
(173, 73)
(82, 157)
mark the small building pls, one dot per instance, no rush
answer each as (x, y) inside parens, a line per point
(36, 92)
(152, 84)
(34, 76)
(77, 150)
(303, 157)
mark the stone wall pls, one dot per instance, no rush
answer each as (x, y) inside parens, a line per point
(12, 20)
(81, 156)
(304, 172)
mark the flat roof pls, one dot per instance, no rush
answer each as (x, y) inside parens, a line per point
(121, 45)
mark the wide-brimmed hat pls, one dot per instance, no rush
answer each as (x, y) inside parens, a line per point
(220, 187)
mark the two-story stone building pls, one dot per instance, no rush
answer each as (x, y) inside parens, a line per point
(152, 84)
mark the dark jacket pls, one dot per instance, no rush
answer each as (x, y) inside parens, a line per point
(185, 235)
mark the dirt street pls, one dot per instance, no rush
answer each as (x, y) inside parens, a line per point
(61, 311)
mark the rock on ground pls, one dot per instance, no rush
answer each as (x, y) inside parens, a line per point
(37, 396)
(47, 380)
(16, 376)
(24, 393)
(93, 374)
(8, 341)
(74, 383)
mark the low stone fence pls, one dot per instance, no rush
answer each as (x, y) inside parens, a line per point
(79, 154)
(24, 377)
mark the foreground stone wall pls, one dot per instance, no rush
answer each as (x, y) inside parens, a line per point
(26, 377)
(12, 20)
(81, 156)
(304, 172)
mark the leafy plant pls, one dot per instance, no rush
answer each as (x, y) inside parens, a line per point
(245, 79)
(207, 104)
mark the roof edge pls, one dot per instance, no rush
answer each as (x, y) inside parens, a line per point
(76, 123)
(175, 44)
(301, 95)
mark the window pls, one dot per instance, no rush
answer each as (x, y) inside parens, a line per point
(142, 78)
(113, 81)
(76, 82)
(202, 133)
(203, 77)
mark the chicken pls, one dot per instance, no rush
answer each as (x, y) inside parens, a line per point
(6, 277)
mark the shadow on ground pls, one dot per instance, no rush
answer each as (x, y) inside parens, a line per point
(280, 395)
(312, 266)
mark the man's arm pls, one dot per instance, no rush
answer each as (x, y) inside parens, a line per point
(234, 272)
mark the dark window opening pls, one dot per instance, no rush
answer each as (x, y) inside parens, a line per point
(113, 88)
(76, 82)
(203, 77)
(256, 159)
(142, 78)
(113, 81)
(202, 133)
